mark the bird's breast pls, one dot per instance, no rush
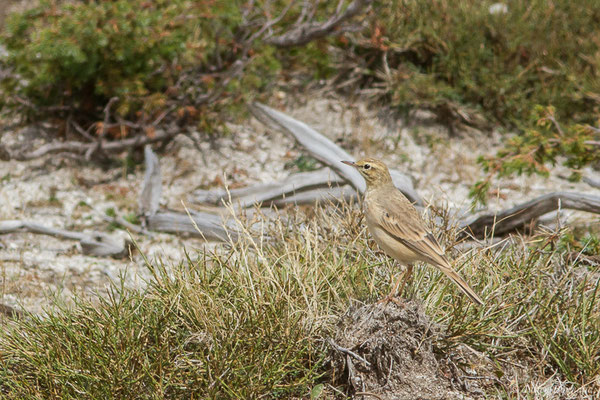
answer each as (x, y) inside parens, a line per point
(389, 244)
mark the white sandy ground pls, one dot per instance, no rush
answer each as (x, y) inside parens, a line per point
(35, 266)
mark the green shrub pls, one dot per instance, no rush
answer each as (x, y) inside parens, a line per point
(200, 59)
(78, 55)
(545, 143)
(443, 55)
(90, 52)
(459, 55)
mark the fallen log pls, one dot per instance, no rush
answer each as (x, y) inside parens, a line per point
(201, 224)
(326, 151)
(268, 193)
(506, 221)
(333, 194)
(94, 243)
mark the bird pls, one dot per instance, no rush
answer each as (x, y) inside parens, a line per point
(399, 229)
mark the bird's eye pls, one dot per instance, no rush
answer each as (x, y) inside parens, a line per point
(367, 166)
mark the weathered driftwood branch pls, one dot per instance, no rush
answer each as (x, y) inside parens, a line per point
(267, 193)
(201, 224)
(509, 220)
(94, 243)
(333, 194)
(151, 186)
(204, 225)
(326, 151)
(324, 193)
(304, 32)
(315, 143)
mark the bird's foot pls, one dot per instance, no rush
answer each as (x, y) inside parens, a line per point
(393, 298)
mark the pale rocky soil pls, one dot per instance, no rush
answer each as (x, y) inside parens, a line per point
(64, 194)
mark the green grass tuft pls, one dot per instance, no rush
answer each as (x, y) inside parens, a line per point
(250, 321)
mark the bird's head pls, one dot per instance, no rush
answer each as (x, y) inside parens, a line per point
(374, 171)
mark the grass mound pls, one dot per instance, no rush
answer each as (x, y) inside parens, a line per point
(250, 321)
(396, 343)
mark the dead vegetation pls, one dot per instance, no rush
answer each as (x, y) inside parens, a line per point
(386, 351)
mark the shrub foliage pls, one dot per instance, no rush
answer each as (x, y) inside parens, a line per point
(73, 57)
(449, 54)
(547, 143)
(194, 60)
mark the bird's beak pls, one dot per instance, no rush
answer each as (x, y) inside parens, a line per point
(350, 163)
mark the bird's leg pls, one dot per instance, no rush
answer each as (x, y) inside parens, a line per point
(406, 276)
(398, 287)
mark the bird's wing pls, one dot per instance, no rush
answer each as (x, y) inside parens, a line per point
(412, 233)
(403, 223)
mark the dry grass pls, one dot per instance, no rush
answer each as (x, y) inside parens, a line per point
(249, 321)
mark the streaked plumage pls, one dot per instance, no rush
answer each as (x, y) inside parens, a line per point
(397, 227)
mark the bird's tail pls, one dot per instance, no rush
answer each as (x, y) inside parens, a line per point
(460, 282)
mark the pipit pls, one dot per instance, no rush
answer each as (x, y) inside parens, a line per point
(398, 228)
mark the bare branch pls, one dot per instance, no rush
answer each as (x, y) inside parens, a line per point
(303, 33)
(509, 220)
(267, 193)
(326, 151)
(152, 185)
(84, 133)
(348, 352)
(27, 104)
(94, 243)
(102, 134)
(108, 146)
(204, 225)
(270, 23)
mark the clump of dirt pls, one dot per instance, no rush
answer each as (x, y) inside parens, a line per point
(386, 351)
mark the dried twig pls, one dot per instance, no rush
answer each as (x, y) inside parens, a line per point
(304, 32)
(506, 221)
(107, 146)
(100, 137)
(348, 352)
(85, 133)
